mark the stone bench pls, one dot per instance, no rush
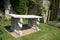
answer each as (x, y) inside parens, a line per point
(17, 20)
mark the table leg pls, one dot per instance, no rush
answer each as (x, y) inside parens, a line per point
(17, 25)
(30, 22)
(34, 24)
(13, 22)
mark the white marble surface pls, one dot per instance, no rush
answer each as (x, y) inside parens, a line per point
(24, 16)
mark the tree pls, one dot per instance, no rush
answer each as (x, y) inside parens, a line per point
(7, 7)
(54, 9)
(46, 4)
(44, 8)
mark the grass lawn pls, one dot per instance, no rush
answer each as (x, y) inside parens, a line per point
(46, 33)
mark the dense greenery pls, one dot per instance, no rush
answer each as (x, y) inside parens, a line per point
(2, 5)
(41, 10)
(20, 6)
(54, 9)
(2, 16)
(23, 6)
(54, 23)
(1, 9)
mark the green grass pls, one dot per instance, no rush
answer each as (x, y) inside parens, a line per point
(46, 33)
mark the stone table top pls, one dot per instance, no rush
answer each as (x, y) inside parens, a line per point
(24, 16)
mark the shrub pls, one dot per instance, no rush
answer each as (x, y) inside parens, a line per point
(1, 15)
(54, 23)
(19, 6)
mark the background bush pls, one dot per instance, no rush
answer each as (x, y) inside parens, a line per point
(19, 6)
(2, 16)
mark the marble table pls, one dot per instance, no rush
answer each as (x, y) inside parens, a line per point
(17, 20)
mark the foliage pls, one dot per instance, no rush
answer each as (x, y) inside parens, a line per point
(1, 9)
(41, 10)
(1, 5)
(2, 15)
(19, 6)
(22, 6)
(54, 23)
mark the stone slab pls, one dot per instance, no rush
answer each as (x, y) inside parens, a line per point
(25, 32)
(24, 16)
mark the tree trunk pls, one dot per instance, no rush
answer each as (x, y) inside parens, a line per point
(7, 6)
(46, 4)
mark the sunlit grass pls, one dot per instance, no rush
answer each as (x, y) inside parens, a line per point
(46, 33)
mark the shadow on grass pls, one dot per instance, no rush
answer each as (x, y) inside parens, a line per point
(25, 27)
(8, 28)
